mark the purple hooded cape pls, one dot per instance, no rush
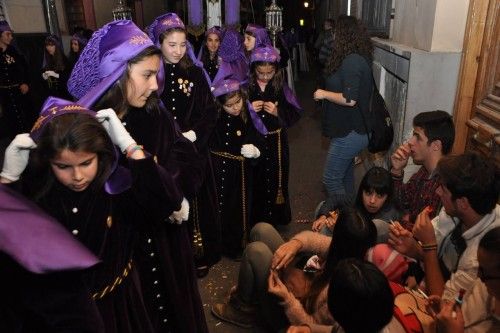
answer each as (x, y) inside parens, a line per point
(35, 240)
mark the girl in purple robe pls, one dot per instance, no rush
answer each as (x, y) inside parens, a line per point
(118, 69)
(77, 43)
(234, 146)
(73, 176)
(278, 109)
(188, 98)
(55, 67)
(209, 51)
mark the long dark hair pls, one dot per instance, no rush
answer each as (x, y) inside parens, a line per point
(360, 297)
(116, 96)
(185, 61)
(352, 237)
(221, 100)
(350, 36)
(276, 81)
(56, 62)
(376, 180)
(75, 132)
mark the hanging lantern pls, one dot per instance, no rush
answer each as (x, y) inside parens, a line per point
(274, 21)
(122, 11)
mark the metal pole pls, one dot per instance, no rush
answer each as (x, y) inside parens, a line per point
(51, 17)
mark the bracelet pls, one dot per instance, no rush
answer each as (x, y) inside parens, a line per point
(428, 247)
(133, 149)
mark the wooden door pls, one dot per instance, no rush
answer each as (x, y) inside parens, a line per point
(477, 110)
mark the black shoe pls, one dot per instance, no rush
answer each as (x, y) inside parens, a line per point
(228, 313)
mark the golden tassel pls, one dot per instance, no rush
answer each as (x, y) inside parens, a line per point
(280, 198)
(197, 245)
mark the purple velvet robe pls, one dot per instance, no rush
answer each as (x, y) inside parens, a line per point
(188, 98)
(274, 158)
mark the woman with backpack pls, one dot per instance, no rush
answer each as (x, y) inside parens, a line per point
(348, 86)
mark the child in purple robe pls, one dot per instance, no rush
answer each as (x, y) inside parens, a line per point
(278, 109)
(188, 98)
(234, 146)
(118, 69)
(208, 54)
(73, 176)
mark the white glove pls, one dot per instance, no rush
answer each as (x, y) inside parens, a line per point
(52, 73)
(16, 156)
(45, 76)
(181, 214)
(250, 151)
(190, 135)
(115, 129)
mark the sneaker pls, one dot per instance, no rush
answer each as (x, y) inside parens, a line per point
(226, 312)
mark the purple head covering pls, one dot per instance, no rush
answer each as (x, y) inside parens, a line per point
(260, 34)
(227, 86)
(35, 240)
(120, 179)
(163, 23)
(166, 22)
(104, 60)
(216, 30)
(233, 60)
(52, 108)
(53, 39)
(4, 26)
(224, 87)
(82, 41)
(267, 54)
(231, 47)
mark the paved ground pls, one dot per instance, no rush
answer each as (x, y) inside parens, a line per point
(307, 154)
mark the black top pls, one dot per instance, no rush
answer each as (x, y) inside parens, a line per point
(354, 80)
(13, 67)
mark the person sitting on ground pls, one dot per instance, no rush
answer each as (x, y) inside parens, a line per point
(468, 189)
(374, 201)
(359, 298)
(488, 256)
(433, 137)
(301, 297)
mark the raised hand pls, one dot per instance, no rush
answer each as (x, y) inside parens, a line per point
(116, 131)
(16, 157)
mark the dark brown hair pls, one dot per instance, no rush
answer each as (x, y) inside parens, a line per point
(471, 176)
(350, 36)
(352, 237)
(56, 62)
(75, 132)
(221, 100)
(116, 96)
(276, 81)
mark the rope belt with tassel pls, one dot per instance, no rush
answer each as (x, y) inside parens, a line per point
(223, 154)
(280, 198)
(117, 281)
(197, 238)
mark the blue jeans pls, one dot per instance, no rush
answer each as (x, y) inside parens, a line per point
(338, 176)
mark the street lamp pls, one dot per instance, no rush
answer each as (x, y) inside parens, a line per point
(306, 4)
(274, 21)
(122, 12)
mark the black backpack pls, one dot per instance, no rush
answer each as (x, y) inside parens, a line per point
(378, 123)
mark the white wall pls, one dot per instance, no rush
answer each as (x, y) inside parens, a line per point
(26, 15)
(431, 25)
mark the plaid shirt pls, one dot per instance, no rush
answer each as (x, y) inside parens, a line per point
(418, 193)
